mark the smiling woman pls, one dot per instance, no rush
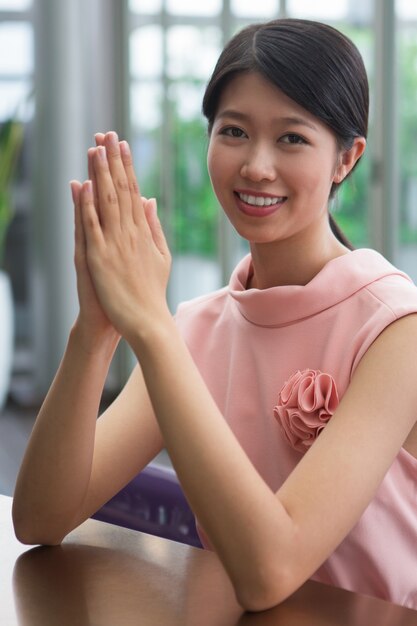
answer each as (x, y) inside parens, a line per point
(287, 399)
(270, 157)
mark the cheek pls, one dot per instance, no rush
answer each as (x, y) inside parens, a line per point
(316, 175)
(215, 172)
(219, 168)
(212, 163)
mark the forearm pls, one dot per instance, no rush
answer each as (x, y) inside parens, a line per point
(243, 518)
(55, 472)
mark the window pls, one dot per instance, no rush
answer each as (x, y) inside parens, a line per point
(16, 81)
(407, 127)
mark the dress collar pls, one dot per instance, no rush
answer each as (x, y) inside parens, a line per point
(337, 280)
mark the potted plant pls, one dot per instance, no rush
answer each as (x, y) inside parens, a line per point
(11, 135)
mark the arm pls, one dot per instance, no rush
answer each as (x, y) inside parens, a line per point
(75, 463)
(70, 467)
(268, 555)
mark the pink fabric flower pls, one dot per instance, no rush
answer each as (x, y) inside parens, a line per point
(305, 404)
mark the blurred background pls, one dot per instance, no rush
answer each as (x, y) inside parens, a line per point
(72, 68)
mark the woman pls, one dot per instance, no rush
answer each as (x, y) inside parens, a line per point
(311, 343)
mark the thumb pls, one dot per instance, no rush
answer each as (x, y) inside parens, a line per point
(155, 227)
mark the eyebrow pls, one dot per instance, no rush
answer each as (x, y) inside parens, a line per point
(289, 119)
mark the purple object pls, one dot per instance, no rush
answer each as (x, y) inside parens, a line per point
(153, 502)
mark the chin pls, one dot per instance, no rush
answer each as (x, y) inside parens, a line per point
(257, 235)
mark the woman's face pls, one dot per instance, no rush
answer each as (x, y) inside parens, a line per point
(271, 162)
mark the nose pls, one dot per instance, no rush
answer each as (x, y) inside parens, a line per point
(259, 165)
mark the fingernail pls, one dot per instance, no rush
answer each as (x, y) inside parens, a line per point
(125, 149)
(113, 139)
(101, 153)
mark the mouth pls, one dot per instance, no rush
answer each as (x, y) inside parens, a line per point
(259, 205)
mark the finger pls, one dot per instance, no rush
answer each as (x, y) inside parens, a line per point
(107, 197)
(89, 217)
(136, 198)
(118, 174)
(99, 138)
(155, 227)
(92, 176)
(75, 186)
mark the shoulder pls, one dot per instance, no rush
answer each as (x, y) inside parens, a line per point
(399, 339)
(387, 372)
(396, 292)
(384, 294)
(204, 307)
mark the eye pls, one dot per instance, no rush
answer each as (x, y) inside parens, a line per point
(293, 139)
(233, 131)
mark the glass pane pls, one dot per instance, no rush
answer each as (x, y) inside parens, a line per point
(194, 218)
(12, 96)
(406, 10)
(188, 98)
(258, 10)
(146, 52)
(145, 105)
(15, 5)
(192, 51)
(407, 104)
(320, 9)
(145, 151)
(191, 7)
(195, 209)
(16, 48)
(145, 6)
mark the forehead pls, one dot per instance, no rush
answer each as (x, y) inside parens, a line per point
(250, 94)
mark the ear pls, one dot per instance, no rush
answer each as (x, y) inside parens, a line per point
(348, 158)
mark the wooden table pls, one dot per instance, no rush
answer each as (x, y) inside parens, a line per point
(103, 575)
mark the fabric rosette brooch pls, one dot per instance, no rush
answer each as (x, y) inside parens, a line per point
(305, 404)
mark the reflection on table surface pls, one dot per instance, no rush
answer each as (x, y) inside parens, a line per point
(106, 575)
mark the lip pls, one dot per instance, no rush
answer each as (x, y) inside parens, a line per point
(257, 211)
(258, 194)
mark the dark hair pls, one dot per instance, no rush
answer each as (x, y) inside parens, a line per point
(313, 64)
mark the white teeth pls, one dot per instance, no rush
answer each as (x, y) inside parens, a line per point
(259, 200)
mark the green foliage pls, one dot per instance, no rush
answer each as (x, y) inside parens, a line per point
(353, 200)
(351, 205)
(194, 226)
(11, 136)
(408, 106)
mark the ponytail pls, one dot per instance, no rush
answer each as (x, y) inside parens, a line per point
(337, 231)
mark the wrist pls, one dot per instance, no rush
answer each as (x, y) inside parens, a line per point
(147, 337)
(102, 344)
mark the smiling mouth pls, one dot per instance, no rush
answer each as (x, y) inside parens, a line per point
(260, 201)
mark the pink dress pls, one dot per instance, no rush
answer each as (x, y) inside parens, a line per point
(277, 361)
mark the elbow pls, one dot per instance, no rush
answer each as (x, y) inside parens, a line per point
(32, 534)
(265, 588)
(30, 538)
(33, 537)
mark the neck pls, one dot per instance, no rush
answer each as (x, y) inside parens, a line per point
(294, 261)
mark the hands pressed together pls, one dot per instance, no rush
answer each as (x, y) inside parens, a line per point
(121, 256)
